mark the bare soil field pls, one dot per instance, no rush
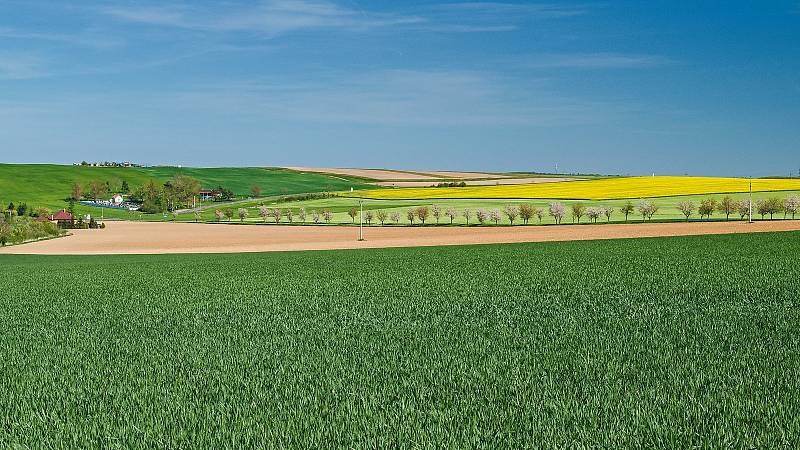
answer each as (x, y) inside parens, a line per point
(157, 238)
(498, 181)
(380, 174)
(375, 174)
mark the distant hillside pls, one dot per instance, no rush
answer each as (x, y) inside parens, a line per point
(46, 185)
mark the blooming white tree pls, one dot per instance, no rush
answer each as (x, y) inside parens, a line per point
(686, 208)
(481, 215)
(743, 208)
(467, 214)
(594, 213)
(645, 209)
(495, 215)
(381, 215)
(302, 214)
(608, 212)
(511, 211)
(315, 216)
(451, 213)
(243, 213)
(264, 212)
(791, 205)
(219, 215)
(436, 212)
(395, 217)
(558, 211)
(276, 214)
(328, 215)
(539, 213)
(289, 215)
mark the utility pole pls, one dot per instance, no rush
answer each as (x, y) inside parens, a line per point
(751, 200)
(361, 220)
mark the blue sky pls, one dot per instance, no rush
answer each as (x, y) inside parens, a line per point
(631, 87)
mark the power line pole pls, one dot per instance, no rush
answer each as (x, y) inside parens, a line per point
(361, 220)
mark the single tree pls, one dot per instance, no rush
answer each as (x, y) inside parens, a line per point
(395, 217)
(289, 215)
(686, 208)
(353, 212)
(467, 214)
(557, 211)
(255, 190)
(762, 207)
(743, 208)
(594, 213)
(578, 210)
(411, 214)
(494, 215)
(627, 209)
(368, 216)
(328, 215)
(315, 216)
(539, 213)
(525, 212)
(423, 213)
(608, 212)
(436, 212)
(97, 189)
(645, 209)
(511, 211)
(727, 206)
(451, 213)
(228, 213)
(302, 214)
(774, 206)
(707, 208)
(77, 191)
(264, 212)
(276, 214)
(481, 215)
(243, 213)
(381, 215)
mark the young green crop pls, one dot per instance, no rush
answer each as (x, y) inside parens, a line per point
(626, 343)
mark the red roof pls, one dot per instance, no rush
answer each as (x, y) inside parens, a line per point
(61, 216)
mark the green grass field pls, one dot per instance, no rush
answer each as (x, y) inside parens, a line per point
(44, 185)
(670, 343)
(668, 207)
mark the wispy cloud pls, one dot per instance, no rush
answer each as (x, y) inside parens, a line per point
(19, 66)
(597, 61)
(79, 39)
(400, 98)
(269, 17)
(535, 10)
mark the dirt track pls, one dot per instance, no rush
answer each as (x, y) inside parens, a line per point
(150, 238)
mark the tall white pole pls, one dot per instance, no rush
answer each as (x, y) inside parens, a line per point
(361, 221)
(751, 201)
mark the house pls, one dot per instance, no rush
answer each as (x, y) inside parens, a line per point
(208, 195)
(60, 218)
(116, 199)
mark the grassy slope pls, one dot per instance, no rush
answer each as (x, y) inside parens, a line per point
(674, 342)
(668, 209)
(48, 185)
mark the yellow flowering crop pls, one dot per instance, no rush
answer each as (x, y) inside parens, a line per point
(598, 189)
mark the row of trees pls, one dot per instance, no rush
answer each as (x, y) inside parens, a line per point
(96, 190)
(525, 213)
(728, 207)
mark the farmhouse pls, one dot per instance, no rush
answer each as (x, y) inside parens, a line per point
(208, 195)
(60, 218)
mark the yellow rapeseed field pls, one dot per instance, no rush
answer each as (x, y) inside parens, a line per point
(599, 189)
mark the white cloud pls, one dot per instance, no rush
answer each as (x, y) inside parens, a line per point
(400, 98)
(269, 17)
